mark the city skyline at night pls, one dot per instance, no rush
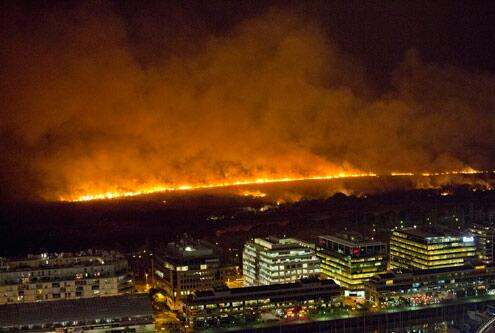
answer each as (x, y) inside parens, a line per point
(247, 166)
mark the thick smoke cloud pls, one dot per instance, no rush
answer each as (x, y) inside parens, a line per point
(82, 111)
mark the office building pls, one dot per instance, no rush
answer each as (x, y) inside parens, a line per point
(272, 261)
(486, 237)
(50, 277)
(185, 266)
(238, 305)
(418, 249)
(351, 260)
(123, 313)
(432, 286)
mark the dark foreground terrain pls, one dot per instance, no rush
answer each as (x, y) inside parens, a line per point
(229, 218)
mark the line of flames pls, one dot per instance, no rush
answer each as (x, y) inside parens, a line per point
(156, 189)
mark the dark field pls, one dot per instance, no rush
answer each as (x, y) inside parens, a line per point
(228, 217)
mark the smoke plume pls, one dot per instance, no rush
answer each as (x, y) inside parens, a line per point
(85, 108)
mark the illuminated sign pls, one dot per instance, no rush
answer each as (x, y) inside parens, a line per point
(354, 293)
(468, 239)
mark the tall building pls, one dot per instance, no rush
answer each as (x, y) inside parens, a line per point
(51, 277)
(417, 249)
(185, 266)
(486, 237)
(351, 260)
(272, 260)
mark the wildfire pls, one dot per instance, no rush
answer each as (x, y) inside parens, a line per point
(186, 187)
(256, 194)
(467, 171)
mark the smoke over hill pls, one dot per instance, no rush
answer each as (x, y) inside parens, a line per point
(84, 110)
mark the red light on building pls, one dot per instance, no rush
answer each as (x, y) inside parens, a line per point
(355, 251)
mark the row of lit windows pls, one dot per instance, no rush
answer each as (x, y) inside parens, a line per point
(347, 259)
(413, 259)
(465, 254)
(412, 247)
(456, 243)
(253, 302)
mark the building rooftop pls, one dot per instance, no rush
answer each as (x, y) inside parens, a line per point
(273, 243)
(84, 310)
(421, 272)
(188, 248)
(422, 233)
(435, 236)
(252, 291)
(59, 260)
(351, 242)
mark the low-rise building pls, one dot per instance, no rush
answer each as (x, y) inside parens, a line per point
(351, 260)
(412, 248)
(123, 313)
(237, 305)
(273, 260)
(188, 265)
(49, 277)
(422, 287)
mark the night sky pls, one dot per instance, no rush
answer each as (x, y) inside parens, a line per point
(100, 96)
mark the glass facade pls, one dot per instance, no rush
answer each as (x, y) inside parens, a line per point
(414, 249)
(350, 263)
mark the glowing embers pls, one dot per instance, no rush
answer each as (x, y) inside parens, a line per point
(158, 188)
(103, 195)
(255, 193)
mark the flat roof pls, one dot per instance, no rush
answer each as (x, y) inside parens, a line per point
(188, 249)
(351, 243)
(419, 272)
(264, 288)
(84, 309)
(420, 233)
(61, 260)
(274, 243)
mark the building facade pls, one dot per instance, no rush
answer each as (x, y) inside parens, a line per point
(425, 287)
(123, 313)
(210, 308)
(50, 277)
(416, 249)
(272, 261)
(486, 237)
(350, 260)
(188, 265)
